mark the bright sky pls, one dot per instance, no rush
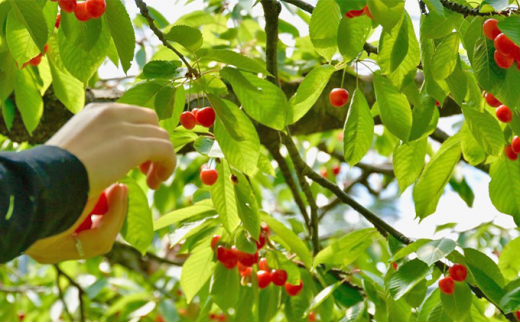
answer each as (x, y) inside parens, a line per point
(451, 207)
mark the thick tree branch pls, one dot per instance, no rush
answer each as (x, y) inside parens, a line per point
(467, 11)
(271, 12)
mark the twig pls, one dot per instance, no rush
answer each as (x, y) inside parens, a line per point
(466, 11)
(335, 201)
(145, 13)
(81, 292)
(61, 296)
(22, 289)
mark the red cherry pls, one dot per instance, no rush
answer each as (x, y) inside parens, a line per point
(518, 315)
(209, 176)
(21, 316)
(58, 21)
(368, 13)
(491, 29)
(437, 103)
(336, 170)
(505, 45)
(159, 319)
(85, 225)
(504, 114)
(263, 264)
(293, 290)
(188, 120)
(221, 317)
(394, 265)
(312, 317)
(491, 100)
(46, 48)
(503, 61)
(214, 241)
(67, 5)
(101, 207)
(447, 285)
(278, 277)
(261, 241)
(244, 270)
(323, 172)
(227, 257)
(508, 151)
(515, 144)
(458, 272)
(246, 259)
(266, 229)
(206, 117)
(194, 112)
(36, 61)
(81, 12)
(264, 278)
(355, 13)
(338, 97)
(96, 8)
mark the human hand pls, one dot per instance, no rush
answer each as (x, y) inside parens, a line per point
(97, 241)
(110, 139)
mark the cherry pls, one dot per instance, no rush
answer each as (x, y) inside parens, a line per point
(227, 257)
(517, 315)
(214, 241)
(194, 112)
(491, 100)
(502, 60)
(508, 151)
(323, 172)
(81, 12)
(58, 21)
(336, 169)
(221, 317)
(188, 120)
(515, 144)
(394, 265)
(261, 241)
(266, 229)
(206, 117)
(208, 176)
(447, 285)
(504, 114)
(67, 5)
(338, 97)
(36, 61)
(437, 104)
(367, 12)
(246, 259)
(279, 277)
(293, 290)
(491, 29)
(96, 8)
(458, 272)
(505, 45)
(159, 319)
(244, 270)
(85, 225)
(101, 207)
(312, 317)
(355, 13)
(263, 264)
(21, 316)
(46, 48)
(264, 278)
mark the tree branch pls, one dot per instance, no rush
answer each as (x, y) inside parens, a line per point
(81, 292)
(62, 297)
(466, 11)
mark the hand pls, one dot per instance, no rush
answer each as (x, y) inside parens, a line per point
(94, 242)
(110, 139)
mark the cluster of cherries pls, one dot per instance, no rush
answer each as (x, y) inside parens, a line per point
(506, 52)
(85, 10)
(338, 97)
(232, 257)
(100, 209)
(457, 272)
(335, 170)
(204, 117)
(357, 13)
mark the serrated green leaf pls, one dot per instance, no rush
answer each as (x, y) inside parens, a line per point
(435, 250)
(322, 296)
(247, 206)
(208, 147)
(120, 26)
(162, 69)
(458, 304)
(231, 58)
(165, 102)
(510, 302)
(201, 209)
(408, 161)
(504, 188)
(352, 36)
(485, 129)
(510, 27)
(411, 248)
(435, 25)
(386, 13)
(407, 277)
(189, 37)
(142, 94)
(446, 56)
(323, 29)
(19, 40)
(30, 14)
(28, 99)
(359, 129)
(436, 6)
(225, 288)
(508, 261)
(224, 198)
(471, 149)
(198, 269)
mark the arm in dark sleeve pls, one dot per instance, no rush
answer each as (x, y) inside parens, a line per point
(42, 193)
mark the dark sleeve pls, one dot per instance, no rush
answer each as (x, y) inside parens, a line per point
(42, 193)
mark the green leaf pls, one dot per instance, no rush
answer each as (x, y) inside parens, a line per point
(435, 25)
(446, 57)
(436, 6)
(66, 87)
(504, 188)
(436, 89)
(471, 149)
(486, 273)
(458, 304)
(162, 69)
(231, 58)
(435, 250)
(208, 147)
(142, 94)
(189, 37)
(30, 14)
(225, 288)
(323, 29)
(247, 206)
(224, 198)
(408, 161)
(395, 111)
(411, 248)
(416, 295)
(347, 249)
(510, 27)
(429, 305)
(308, 92)
(8, 113)
(386, 13)
(20, 43)
(295, 244)
(508, 261)
(407, 277)
(138, 227)
(120, 26)
(242, 154)
(510, 302)
(322, 296)
(165, 102)
(485, 129)
(437, 173)
(352, 36)
(28, 99)
(488, 74)
(401, 44)
(232, 75)
(178, 108)
(359, 129)
(269, 107)
(462, 187)
(198, 269)
(202, 209)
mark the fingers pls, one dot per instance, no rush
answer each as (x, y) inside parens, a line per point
(161, 154)
(147, 131)
(125, 112)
